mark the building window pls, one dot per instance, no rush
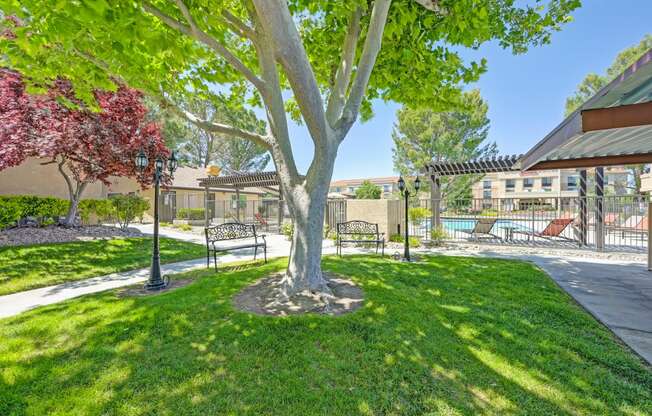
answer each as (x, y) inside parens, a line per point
(571, 183)
(351, 189)
(528, 184)
(486, 194)
(546, 184)
(486, 184)
(387, 188)
(510, 185)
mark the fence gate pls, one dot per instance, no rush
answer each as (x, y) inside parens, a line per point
(335, 212)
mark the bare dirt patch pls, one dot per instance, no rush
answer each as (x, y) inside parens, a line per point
(139, 290)
(264, 298)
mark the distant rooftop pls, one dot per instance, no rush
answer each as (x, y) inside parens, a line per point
(376, 181)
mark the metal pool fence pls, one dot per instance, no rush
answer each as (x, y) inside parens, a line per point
(603, 223)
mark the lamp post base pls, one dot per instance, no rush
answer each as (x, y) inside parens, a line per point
(159, 285)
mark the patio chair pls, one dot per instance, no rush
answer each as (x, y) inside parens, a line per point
(636, 224)
(554, 229)
(483, 226)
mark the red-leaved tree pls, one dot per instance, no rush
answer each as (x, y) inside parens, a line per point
(87, 146)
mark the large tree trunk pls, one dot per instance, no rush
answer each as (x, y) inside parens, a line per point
(304, 268)
(307, 204)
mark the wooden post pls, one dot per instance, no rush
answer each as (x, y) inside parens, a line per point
(206, 208)
(237, 204)
(583, 213)
(599, 208)
(435, 201)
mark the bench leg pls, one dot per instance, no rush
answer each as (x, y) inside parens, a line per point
(208, 258)
(377, 246)
(215, 259)
(255, 252)
(265, 252)
(382, 253)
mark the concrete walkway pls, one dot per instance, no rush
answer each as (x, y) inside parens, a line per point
(617, 293)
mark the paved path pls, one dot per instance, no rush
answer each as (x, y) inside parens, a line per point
(10, 305)
(617, 293)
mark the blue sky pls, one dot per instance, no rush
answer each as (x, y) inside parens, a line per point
(526, 93)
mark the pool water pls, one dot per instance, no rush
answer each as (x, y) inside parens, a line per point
(468, 224)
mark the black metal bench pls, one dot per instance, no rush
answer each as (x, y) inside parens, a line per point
(233, 231)
(359, 232)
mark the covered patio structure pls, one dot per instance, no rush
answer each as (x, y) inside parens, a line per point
(612, 128)
(267, 181)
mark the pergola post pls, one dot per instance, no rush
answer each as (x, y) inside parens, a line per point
(237, 204)
(599, 208)
(206, 207)
(583, 210)
(435, 201)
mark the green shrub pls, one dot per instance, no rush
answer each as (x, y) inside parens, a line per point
(438, 235)
(288, 230)
(164, 224)
(103, 209)
(10, 211)
(128, 208)
(44, 209)
(418, 214)
(191, 213)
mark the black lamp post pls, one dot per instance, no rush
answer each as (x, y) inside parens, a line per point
(406, 194)
(156, 281)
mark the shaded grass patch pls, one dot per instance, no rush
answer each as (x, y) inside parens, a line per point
(447, 336)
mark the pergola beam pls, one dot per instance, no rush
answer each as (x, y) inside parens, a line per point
(617, 117)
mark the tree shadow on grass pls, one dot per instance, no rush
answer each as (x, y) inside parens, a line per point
(459, 336)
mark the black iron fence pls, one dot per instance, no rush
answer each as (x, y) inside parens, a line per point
(609, 222)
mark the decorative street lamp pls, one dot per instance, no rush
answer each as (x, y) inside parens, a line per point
(406, 194)
(156, 281)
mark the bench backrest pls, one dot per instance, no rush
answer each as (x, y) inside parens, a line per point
(357, 227)
(230, 231)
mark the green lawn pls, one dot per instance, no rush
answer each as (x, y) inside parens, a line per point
(453, 336)
(29, 267)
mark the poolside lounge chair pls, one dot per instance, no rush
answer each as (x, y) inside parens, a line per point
(482, 227)
(636, 224)
(554, 229)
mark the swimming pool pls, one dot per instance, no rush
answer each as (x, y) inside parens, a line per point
(456, 224)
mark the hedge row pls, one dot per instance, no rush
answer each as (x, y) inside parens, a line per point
(191, 213)
(47, 210)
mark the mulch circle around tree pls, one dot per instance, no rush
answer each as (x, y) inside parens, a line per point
(140, 291)
(264, 298)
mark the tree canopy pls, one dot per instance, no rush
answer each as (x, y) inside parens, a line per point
(86, 146)
(321, 62)
(368, 191)
(424, 135)
(593, 82)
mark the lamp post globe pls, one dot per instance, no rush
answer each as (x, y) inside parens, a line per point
(406, 195)
(141, 160)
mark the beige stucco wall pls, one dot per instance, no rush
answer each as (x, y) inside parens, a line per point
(34, 178)
(386, 213)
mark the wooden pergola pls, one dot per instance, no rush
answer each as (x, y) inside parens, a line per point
(614, 127)
(264, 180)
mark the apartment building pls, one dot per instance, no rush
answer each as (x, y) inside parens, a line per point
(522, 189)
(346, 188)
